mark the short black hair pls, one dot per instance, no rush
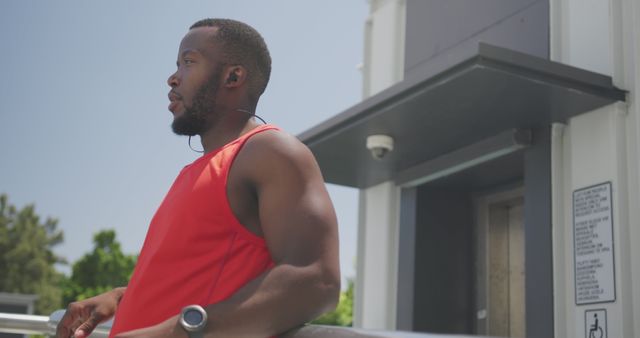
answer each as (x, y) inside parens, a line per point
(243, 45)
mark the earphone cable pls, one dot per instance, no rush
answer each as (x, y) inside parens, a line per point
(240, 110)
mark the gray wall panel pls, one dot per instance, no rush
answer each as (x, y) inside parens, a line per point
(441, 33)
(443, 291)
(538, 236)
(406, 259)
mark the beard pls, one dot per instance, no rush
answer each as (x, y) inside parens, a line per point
(201, 115)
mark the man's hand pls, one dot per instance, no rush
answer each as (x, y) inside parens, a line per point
(82, 317)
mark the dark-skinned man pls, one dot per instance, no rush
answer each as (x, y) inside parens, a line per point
(245, 243)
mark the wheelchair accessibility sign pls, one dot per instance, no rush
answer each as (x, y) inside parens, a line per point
(595, 322)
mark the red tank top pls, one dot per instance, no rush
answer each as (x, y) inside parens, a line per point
(196, 251)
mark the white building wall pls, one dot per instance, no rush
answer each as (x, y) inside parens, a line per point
(376, 290)
(596, 147)
(626, 73)
(375, 303)
(384, 45)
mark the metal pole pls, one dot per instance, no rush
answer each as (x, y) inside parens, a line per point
(24, 324)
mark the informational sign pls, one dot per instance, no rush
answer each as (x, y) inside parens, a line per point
(593, 244)
(595, 323)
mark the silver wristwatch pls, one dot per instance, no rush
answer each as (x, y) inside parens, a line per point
(193, 319)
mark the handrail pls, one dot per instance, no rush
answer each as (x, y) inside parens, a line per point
(23, 324)
(30, 324)
(322, 331)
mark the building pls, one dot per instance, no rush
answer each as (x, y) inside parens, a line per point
(16, 303)
(509, 203)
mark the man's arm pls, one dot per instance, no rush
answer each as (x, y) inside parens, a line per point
(300, 228)
(82, 317)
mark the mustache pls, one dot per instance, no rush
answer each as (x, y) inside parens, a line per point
(174, 94)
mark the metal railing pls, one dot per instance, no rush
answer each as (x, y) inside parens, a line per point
(43, 325)
(25, 324)
(30, 324)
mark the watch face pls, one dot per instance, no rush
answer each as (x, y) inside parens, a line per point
(193, 317)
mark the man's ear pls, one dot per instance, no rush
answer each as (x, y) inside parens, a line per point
(235, 76)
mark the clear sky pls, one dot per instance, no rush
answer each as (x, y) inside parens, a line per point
(84, 126)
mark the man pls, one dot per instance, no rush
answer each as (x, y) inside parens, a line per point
(247, 231)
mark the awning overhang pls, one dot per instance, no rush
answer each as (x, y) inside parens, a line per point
(491, 92)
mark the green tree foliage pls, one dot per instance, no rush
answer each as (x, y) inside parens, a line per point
(343, 314)
(26, 256)
(103, 269)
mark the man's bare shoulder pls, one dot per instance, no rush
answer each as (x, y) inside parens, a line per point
(277, 144)
(276, 153)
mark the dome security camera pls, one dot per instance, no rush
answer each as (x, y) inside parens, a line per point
(379, 145)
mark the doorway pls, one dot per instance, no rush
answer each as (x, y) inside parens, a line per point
(501, 265)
